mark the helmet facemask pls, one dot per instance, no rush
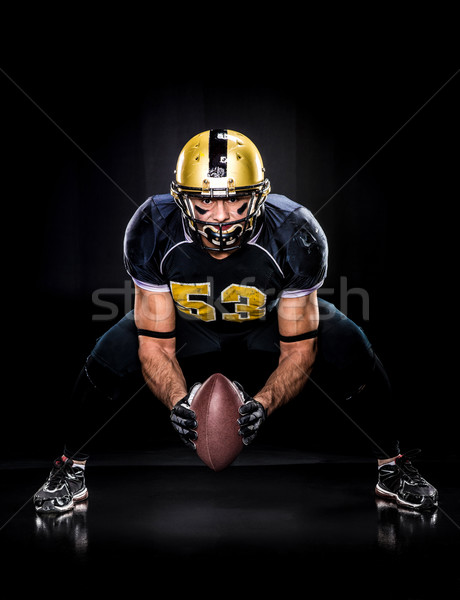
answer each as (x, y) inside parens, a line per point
(220, 164)
(227, 235)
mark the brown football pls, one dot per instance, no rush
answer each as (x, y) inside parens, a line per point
(216, 407)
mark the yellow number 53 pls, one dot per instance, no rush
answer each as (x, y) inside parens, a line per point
(249, 302)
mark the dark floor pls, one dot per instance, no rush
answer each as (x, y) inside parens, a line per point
(273, 521)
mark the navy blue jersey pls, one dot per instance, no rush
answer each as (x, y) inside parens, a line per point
(231, 301)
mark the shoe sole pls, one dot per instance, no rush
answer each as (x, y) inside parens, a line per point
(427, 504)
(82, 495)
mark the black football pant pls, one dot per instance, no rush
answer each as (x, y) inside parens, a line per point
(347, 376)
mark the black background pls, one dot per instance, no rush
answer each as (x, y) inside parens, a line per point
(361, 128)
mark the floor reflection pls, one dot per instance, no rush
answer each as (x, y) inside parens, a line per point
(398, 527)
(67, 532)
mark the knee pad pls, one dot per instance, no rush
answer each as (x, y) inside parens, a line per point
(102, 379)
(117, 349)
(346, 358)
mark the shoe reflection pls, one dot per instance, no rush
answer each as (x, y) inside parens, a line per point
(397, 527)
(67, 530)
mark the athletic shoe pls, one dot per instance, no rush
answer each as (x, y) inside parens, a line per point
(65, 486)
(403, 484)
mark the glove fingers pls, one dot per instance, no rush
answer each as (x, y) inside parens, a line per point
(256, 415)
(238, 386)
(245, 408)
(184, 430)
(247, 439)
(251, 426)
(193, 391)
(252, 418)
(253, 415)
(187, 436)
(184, 411)
(249, 407)
(191, 435)
(188, 423)
(183, 418)
(189, 443)
(243, 395)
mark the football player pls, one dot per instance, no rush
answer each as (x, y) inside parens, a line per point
(226, 272)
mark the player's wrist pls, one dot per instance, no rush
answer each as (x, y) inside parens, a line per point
(173, 399)
(265, 401)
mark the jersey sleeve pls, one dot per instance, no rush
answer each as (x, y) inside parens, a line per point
(306, 256)
(142, 255)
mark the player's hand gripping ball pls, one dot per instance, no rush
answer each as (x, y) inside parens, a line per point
(216, 405)
(217, 419)
(183, 418)
(253, 414)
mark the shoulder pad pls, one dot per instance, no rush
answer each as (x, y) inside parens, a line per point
(154, 227)
(301, 242)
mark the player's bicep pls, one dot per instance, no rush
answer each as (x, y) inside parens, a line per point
(298, 320)
(154, 313)
(297, 316)
(154, 310)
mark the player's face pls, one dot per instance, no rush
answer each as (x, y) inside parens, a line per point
(220, 210)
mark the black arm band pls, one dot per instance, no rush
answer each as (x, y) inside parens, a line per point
(157, 334)
(297, 338)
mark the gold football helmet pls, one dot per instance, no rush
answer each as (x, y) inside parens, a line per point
(220, 163)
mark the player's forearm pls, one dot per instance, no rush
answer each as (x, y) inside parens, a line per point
(164, 377)
(288, 379)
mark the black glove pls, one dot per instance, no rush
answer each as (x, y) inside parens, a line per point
(183, 418)
(253, 415)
